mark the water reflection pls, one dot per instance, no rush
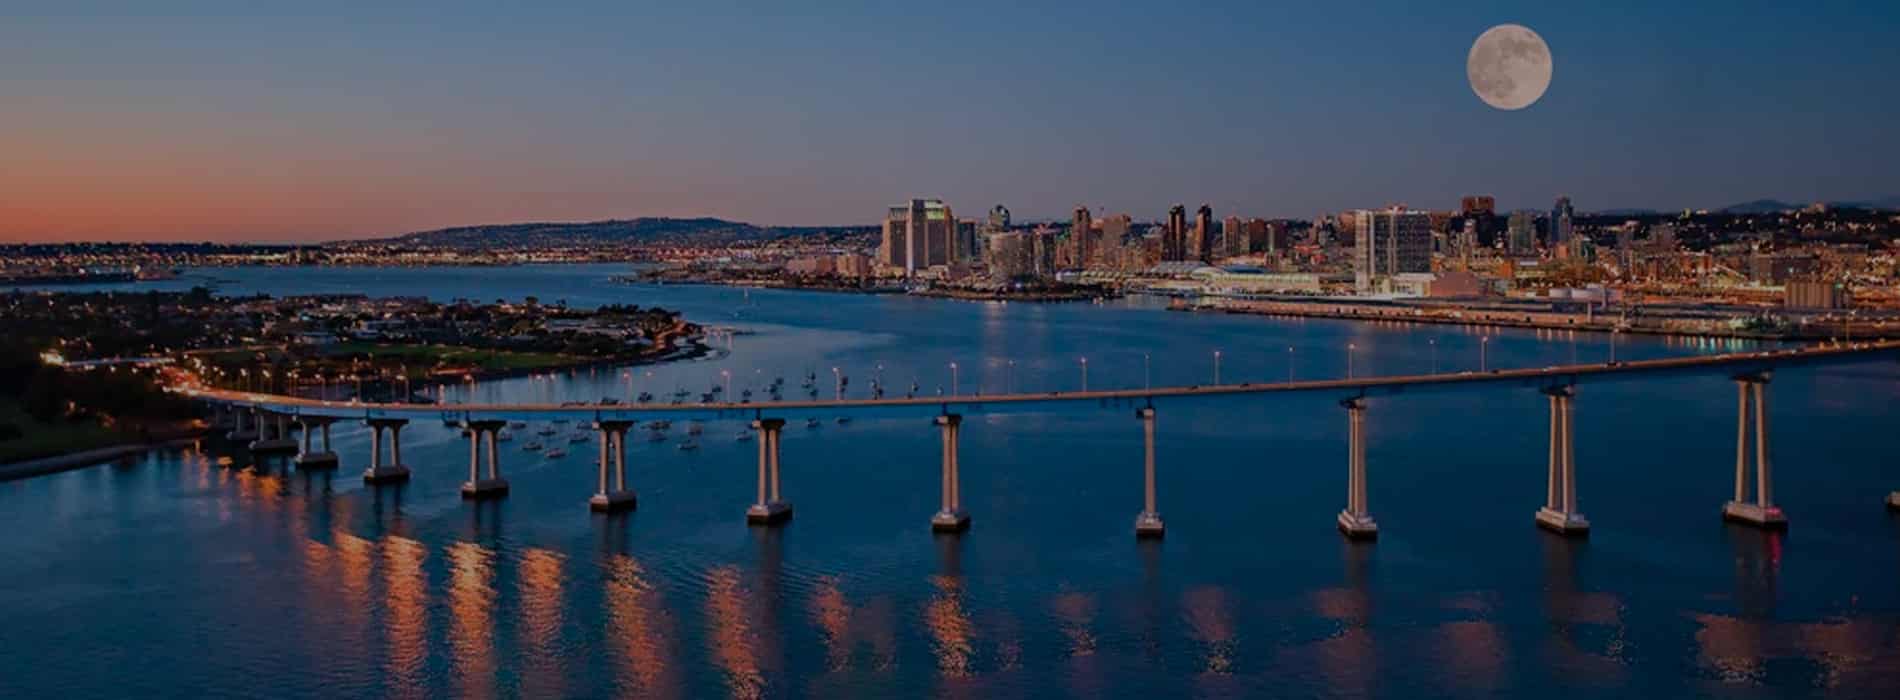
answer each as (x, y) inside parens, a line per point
(1347, 658)
(734, 642)
(638, 631)
(1075, 614)
(471, 616)
(406, 610)
(542, 601)
(1587, 641)
(948, 624)
(1210, 620)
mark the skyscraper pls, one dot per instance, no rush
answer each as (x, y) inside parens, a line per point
(919, 234)
(999, 218)
(1521, 235)
(1174, 237)
(1560, 225)
(1202, 245)
(1082, 232)
(1390, 242)
(1232, 236)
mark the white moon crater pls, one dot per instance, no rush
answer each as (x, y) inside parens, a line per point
(1509, 66)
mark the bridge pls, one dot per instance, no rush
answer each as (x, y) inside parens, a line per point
(261, 421)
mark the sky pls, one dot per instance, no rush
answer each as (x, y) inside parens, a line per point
(320, 121)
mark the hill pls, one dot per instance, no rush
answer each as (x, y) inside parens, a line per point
(644, 230)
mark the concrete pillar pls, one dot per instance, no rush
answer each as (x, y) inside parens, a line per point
(950, 516)
(1148, 522)
(612, 496)
(380, 472)
(770, 509)
(1356, 520)
(482, 432)
(241, 431)
(1559, 513)
(315, 459)
(1752, 402)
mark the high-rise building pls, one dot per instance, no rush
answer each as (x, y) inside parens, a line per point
(999, 218)
(1201, 245)
(1233, 237)
(1477, 204)
(1082, 232)
(966, 247)
(1115, 228)
(1174, 237)
(1011, 257)
(1521, 235)
(1390, 242)
(919, 234)
(1560, 224)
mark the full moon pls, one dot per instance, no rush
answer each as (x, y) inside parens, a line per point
(1509, 66)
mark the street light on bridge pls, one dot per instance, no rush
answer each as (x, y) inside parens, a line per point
(1085, 373)
(1216, 368)
(1350, 347)
(953, 380)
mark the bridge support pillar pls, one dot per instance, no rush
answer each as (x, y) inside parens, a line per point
(240, 432)
(1148, 521)
(1356, 521)
(950, 516)
(769, 510)
(1752, 404)
(611, 496)
(322, 458)
(393, 471)
(273, 434)
(1559, 513)
(482, 433)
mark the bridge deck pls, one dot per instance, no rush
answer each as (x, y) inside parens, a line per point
(1535, 377)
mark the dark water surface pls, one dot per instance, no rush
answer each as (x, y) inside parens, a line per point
(201, 573)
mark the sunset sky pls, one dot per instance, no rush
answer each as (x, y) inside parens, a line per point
(218, 121)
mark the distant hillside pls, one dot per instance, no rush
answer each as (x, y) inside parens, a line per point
(649, 230)
(1769, 206)
(1759, 206)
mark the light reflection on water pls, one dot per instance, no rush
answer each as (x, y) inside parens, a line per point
(410, 592)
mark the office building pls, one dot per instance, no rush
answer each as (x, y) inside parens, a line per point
(1082, 235)
(1201, 242)
(1561, 230)
(1472, 205)
(1389, 243)
(917, 235)
(1174, 236)
(1521, 233)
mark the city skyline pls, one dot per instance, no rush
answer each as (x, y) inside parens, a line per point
(144, 128)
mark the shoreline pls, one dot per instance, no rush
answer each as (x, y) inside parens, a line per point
(1528, 321)
(952, 294)
(41, 466)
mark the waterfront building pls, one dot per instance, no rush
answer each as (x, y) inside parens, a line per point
(1475, 204)
(1521, 233)
(1561, 229)
(1082, 233)
(1813, 293)
(1174, 236)
(999, 218)
(966, 249)
(1388, 243)
(1010, 257)
(1115, 228)
(917, 235)
(1233, 237)
(1201, 243)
